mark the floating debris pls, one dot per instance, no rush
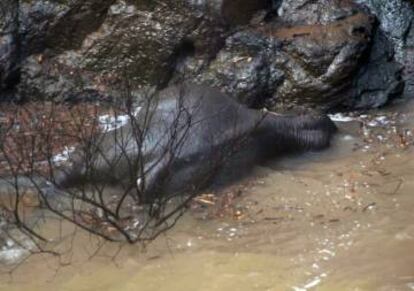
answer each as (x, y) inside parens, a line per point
(63, 156)
(109, 123)
(12, 253)
(340, 117)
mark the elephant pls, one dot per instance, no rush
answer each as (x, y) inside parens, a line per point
(186, 135)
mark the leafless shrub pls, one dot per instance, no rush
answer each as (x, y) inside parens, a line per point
(61, 163)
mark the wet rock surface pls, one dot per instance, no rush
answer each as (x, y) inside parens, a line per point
(305, 12)
(142, 41)
(319, 60)
(379, 79)
(285, 55)
(58, 25)
(284, 67)
(396, 19)
(8, 44)
(244, 67)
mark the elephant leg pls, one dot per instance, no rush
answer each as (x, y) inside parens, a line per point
(150, 181)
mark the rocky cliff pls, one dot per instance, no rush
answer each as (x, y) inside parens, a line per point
(282, 54)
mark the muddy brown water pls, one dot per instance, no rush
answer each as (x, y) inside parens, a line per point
(342, 219)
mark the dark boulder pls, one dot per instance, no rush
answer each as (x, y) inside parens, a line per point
(58, 25)
(40, 27)
(283, 54)
(8, 45)
(143, 40)
(290, 66)
(305, 12)
(379, 78)
(310, 54)
(237, 12)
(244, 68)
(396, 21)
(320, 60)
(149, 40)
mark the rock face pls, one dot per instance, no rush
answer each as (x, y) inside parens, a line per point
(244, 68)
(313, 54)
(379, 78)
(140, 40)
(396, 19)
(284, 54)
(58, 25)
(8, 44)
(305, 12)
(319, 60)
(284, 65)
(241, 11)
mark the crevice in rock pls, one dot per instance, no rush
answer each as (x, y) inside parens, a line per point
(379, 78)
(185, 50)
(237, 12)
(80, 21)
(12, 64)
